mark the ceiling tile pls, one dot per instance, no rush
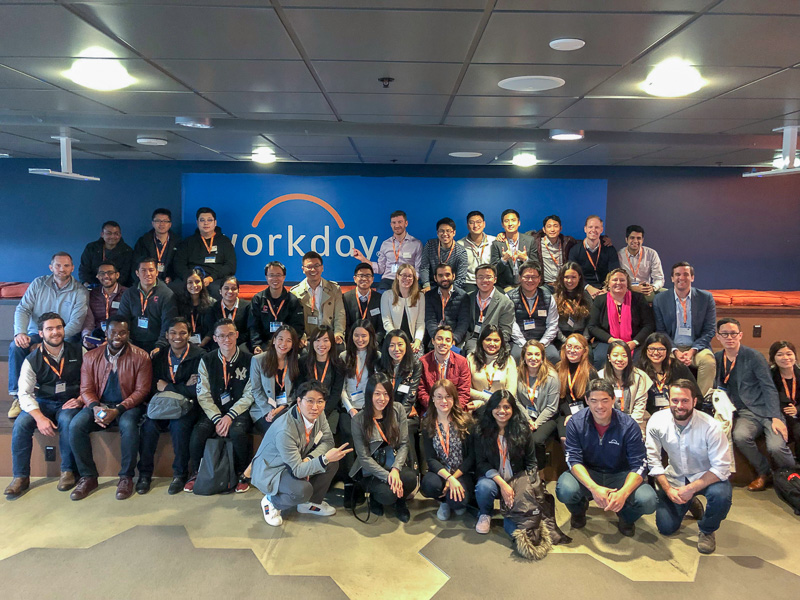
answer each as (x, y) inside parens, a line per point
(199, 32)
(740, 158)
(267, 117)
(496, 121)
(607, 153)
(605, 5)
(686, 153)
(156, 103)
(483, 79)
(647, 161)
(519, 37)
(242, 75)
(626, 108)
(394, 146)
(12, 80)
(311, 141)
(785, 84)
(264, 102)
(49, 101)
(755, 7)
(766, 127)
(427, 36)
(409, 78)
(225, 141)
(692, 125)
(590, 124)
(517, 106)
(387, 4)
(394, 160)
(328, 158)
(389, 104)
(729, 108)
(395, 119)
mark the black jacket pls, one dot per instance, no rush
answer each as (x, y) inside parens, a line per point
(353, 308)
(186, 369)
(456, 313)
(217, 264)
(333, 382)
(605, 260)
(241, 320)
(95, 254)
(46, 379)
(260, 316)
(161, 309)
(643, 321)
(435, 465)
(145, 247)
(487, 456)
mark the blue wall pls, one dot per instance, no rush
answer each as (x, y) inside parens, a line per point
(739, 233)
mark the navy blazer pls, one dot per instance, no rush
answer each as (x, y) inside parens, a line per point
(751, 383)
(704, 316)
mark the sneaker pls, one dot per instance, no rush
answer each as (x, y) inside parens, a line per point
(625, 528)
(696, 509)
(243, 485)
(177, 485)
(189, 487)
(484, 524)
(706, 543)
(312, 508)
(15, 409)
(443, 514)
(271, 514)
(460, 512)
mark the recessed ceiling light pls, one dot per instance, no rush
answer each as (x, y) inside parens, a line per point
(151, 141)
(264, 156)
(673, 78)
(97, 69)
(531, 83)
(567, 44)
(524, 159)
(566, 134)
(4, 155)
(466, 154)
(194, 122)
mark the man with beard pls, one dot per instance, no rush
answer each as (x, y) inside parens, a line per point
(103, 303)
(699, 464)
(446, 305)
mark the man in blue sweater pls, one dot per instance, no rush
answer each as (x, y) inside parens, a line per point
(607, 461)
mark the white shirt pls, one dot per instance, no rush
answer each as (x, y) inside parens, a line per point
(646, 264)
(701, 447)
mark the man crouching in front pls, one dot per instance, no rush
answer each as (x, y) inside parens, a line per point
(296, 461)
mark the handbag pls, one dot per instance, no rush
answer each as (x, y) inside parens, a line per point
(216, 474)
(722, 410)
(168, 405)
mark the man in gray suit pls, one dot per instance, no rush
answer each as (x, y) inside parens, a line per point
(296, 462)
(511, 249)
(688, 316)
(488, 306)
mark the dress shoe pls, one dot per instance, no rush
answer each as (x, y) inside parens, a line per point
(401, 510)
(86, 485)
(124, 488)
(17, 486)
(696, 509)
(176, 487)
(15, 409)
(66, 481)
(759, 484)
(625, 528)
(375, 507)
(706, 543)
(143, 484)
(578, 520)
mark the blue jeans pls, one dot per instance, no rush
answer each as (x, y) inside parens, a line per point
(575, 495)
(181, 432)
(669, 515)
(486, 492)
(16, 356)
(83, 425)
(22, 437)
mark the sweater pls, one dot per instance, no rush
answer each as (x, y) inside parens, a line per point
(621, 448)
(43, 295)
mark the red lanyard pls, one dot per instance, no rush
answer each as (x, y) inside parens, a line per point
(363, 313)
(324, 371)
(482, 306)
(210, 246)
(52, 368)
(378, 425)
(163, 248)
(502, 448)
(172, 371)
(636, 271)
(589, 256)
(785, 387)
(530, 310)
(439, 255)
(445, 443)
(145, 299)
(727, 368)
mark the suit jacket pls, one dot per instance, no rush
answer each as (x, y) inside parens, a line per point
(456, 313)
(264, 388)
(353, 308)
(500, 312)
(365, 448)
(750, 383)
(392, 314)
(642, 323)
(505, 271)
(284, 447)
(704, 316)
(332, 306)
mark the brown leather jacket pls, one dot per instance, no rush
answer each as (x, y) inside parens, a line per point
(133, 367)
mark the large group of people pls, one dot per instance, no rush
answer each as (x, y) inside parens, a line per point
(449, 377)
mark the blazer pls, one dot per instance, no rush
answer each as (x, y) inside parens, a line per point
(456, 313)
(544, 405)
(481, 383)
(264, 389)
(750, 383)
(353, 308)
(704, 316)
(284, 448)
(435, 463)
(365, 448)
(500, 312)
(457, 371)
(411, 381)
(332, 306)
(642, 322)
(505, 271)
(393, 314)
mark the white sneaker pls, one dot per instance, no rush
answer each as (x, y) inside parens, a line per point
(312, 508)
(443, 514)
(271, 514)
(484, 524)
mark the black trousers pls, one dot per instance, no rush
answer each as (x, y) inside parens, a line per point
(381, 491)
(205, 429)
(432, 486)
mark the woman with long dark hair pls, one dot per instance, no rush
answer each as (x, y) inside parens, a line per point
(630, 384)
(537, 395)
(786, 375)
(274, 374)
(503, 449)
(449, 451)
(662, 368)
(194, 304)
(380, 439)
(573, 302)
(320, 363)
(574, 371)
(492, 367)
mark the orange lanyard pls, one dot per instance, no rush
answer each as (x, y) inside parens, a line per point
(363, 313)
(683, 306)
(478, 254)
(571, 384)
(618, 307)
(525, 302)
(225, 374)
(163, 248)
(361, 372)
(145, 299)
(439, 255)
(274, 313)
(490, 378)
(108, 303)
(502, 448)
(589, 256)
(324, 371)
(280, 379)
(785, 387)
(636, 271)
(194, 326)
(550, 252)
(622, 397)
(169, 361)
(442, 367)
(509, 243)
(209, 246)
(397, 251)
(378, 425)
(313, 299)
(308, 434)
(482, 306)
(445, 443)
(660, 381)
(232, 317)
(532, 390)
(52, 368)
(444, 302)
(727, 368)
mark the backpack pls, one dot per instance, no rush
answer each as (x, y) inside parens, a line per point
(216, 474)
(787, 486)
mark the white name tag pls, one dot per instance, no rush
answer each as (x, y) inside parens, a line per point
(498, 376)
(225, 398)
(282, 398)
(272, 402)
(403, 389)
(213, 248)
(318, 437)
(406, 254)
(210, 260)
(160, 267)
(61, 387)
(375, 312)
(477, 329)
(394, 269)
(141, 322)
(529, 324)
(575, 407)
(175, 368)
(313, 320)
(357, 399)
(618, 393)
(685, 331)
(115, 305)
(541, 313)
(661, 400)
(570, 322)
(195, 339)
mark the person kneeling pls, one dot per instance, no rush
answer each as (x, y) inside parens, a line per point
(380, 438)
(296, 461)
(607, 460)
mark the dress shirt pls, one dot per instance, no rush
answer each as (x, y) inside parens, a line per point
(647, 270)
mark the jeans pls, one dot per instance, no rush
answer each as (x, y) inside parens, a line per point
(83, 425)
(432, 486)
(669, 515)
(180, 431)
(238, 434)
(486, 492)
(16, 356)
(22, 437)
(746, 429)
(381, 491)
(570, 491)
(293, 491)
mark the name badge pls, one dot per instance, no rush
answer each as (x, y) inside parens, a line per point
(498, 376)
(313, 320)
(478, 328)
(357, 399)
(225, 398)
(635, 282)
(141, 322)
(61, 387)
(394, 269)
(528, 324)
(210, 260)
(685, 331)
(662, 400)
(487, 392)
(274, 326)
(375, 312)
(318, 437)
(272, 402)
(618, 393)
(535, 394)
(115, 305)
(403, 389)
(570, 322)
(195, 339)
(541, 313)
(160, 267)
(532, 413)
(406, 254)
(282, 398)
(103, 325)
(213, 248)
(175, 368)
(575, 407)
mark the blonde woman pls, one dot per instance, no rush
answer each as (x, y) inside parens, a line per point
(403, 307)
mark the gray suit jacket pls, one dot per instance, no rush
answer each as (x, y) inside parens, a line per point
(505, 271)
(365, 448)
(751, 383)
(284, 448)
(500, 312)
(264, 388)
(704, 316)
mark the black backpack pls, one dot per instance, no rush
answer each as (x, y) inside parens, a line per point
(216, 474)
(787, 486)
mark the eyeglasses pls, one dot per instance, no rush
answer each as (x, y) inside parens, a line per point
(161, 221)
(104, 273)
(442, 397)
(364, 276)
(530, 277)
(475, 222)
(485, 277)
(573, 348)
(446, 231)
(656, 350)
(225, 336)
(728, 334)
(312, 267)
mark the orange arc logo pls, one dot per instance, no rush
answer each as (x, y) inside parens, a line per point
(307, 198)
